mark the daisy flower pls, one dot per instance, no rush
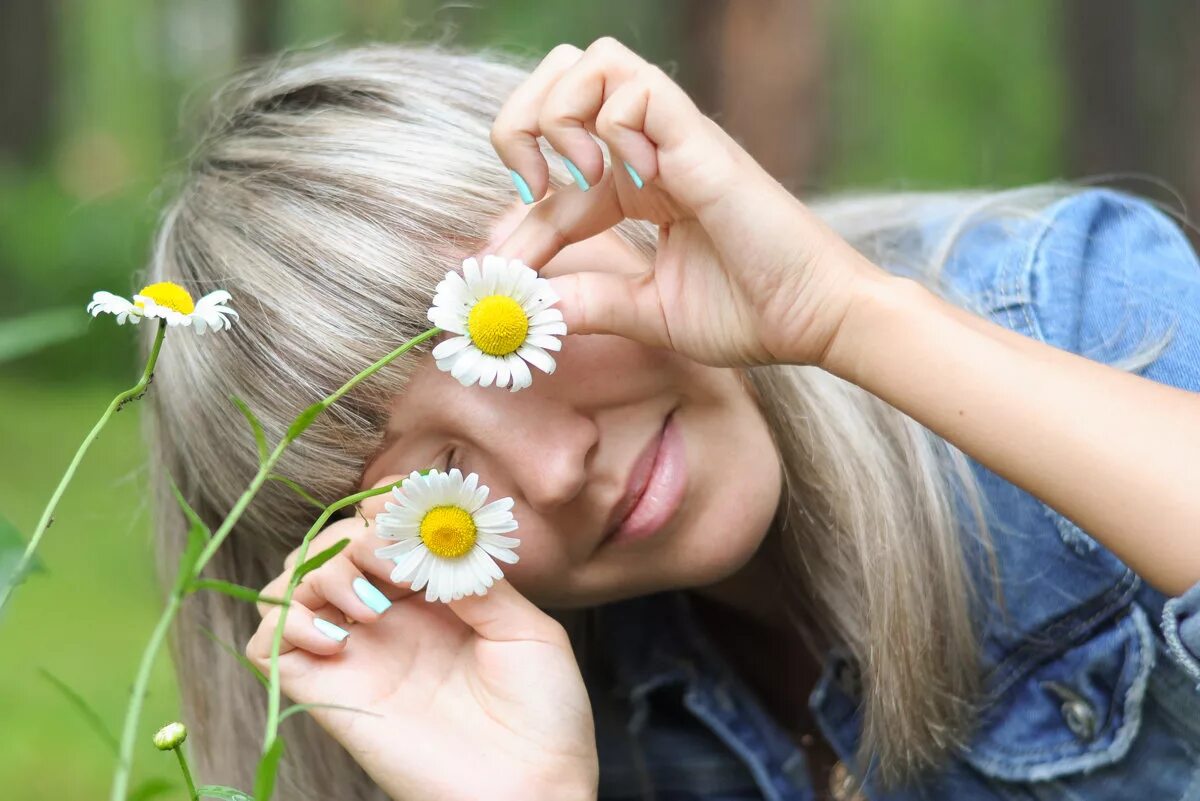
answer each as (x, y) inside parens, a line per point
(501, 313)
(444, 535)
(170, 302)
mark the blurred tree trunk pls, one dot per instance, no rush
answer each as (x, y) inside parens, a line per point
(1134, 85)
(28, 62)
(757, 67)
(260, 26)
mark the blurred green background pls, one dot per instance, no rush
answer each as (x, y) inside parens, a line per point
(97, 100)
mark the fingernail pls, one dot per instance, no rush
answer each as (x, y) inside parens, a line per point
(330, 630)
(580, 181)
(637, 179)
(369, 595)
(522, 187)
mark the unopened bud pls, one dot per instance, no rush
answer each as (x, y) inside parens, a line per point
(170, 736)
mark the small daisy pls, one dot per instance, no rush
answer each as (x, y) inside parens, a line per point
(169, 302)
(445, 537)
(503, 319)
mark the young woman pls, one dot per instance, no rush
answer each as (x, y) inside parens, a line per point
(816, 531)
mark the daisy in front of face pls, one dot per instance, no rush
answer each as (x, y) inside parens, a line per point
(502, 316)
(170, 302)
(446, 539)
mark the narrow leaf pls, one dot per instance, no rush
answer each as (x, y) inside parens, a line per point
(296, 708)
(296, 488)
(239, 656)
(190, 513)
(236, 591)
(12, 548)
(260, 437)
(152, 788)
(85, 710)
(22, 336)
(223, 793)
(264, 781)
(320, 559)
(305, 419)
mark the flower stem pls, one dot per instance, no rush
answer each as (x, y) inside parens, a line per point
(129, 733)
(187, 774)
(272, 730)
(48, 513)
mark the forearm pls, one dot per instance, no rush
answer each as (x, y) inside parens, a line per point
(1115, 453)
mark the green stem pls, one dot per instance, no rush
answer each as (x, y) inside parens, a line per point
(129, 733)
(48, 513)
(272, 730)
(187, 774)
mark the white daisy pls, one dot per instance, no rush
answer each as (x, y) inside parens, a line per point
(444, 536)
(501, 313)
(169, 302)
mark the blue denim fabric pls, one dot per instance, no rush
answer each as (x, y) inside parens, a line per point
(1091, 677)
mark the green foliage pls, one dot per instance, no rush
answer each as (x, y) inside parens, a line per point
(90, 716)
(235, 591)
(324, 556)
(305, 419)
(240, 657)
(260, 438)
(12, 547)
(268, 766)
(152, 788)
(22, 336)
(296, 488)
(223, 793)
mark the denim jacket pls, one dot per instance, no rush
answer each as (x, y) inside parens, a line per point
(1091, 677)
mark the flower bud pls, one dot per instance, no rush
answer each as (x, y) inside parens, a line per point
(170, 736)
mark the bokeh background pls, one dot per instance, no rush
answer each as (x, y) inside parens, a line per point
(97, 102)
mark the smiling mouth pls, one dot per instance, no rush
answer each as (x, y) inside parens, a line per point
(655, 490)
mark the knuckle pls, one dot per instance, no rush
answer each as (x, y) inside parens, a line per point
(563, 52)
(607, 44)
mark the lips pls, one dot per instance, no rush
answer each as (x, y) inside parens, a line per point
(655, 488)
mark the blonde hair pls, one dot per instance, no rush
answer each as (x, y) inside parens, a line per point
(328, 194)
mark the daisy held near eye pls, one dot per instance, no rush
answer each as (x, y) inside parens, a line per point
(446, 539)
(502, 316)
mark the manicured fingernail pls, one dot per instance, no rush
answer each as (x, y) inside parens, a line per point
(637, 179)
(369, 595)
(580, 181)
(522, 187)
(330, 630)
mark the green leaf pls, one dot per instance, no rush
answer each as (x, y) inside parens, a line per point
(22, 336)
(151, 788)
(296, 488)
(296, 708)
(197, 537)
(190, 513)
(12, 548)
(260, 437)
(85, 710)
(239, 656)
(236, 591)
(223, 793)
(264, 781)
(320, 559)
(305, 419)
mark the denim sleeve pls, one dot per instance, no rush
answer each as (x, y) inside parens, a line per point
(1113, 278)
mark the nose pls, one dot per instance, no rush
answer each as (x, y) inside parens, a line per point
(545, 447)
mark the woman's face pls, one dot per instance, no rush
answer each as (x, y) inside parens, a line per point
(633, 470)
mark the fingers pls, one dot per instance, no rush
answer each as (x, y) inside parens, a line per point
(338, 583)
(561, 219)
(505, 615)
(302, 630)
(613, 303)
(517, 127)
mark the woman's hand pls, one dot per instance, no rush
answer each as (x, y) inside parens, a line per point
(478, 698)
(744, 273)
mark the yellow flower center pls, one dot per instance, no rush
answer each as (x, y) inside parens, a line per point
(171, 296)
(448, 531)
(497, 325)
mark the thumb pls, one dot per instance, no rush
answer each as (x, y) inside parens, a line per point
(613, 303)
(505, 615)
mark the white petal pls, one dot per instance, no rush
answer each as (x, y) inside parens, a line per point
(422, 575)
(537, 357)
(451, 346)
(488, 374)
(398, 549)
(447, 320)
(501, 505)
(501, 541)
(468, 367)
(503, 554)
(521, 377)
(501, 527)
(543, 341)
(503, 375)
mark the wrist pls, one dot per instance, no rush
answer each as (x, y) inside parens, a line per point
(881, 305)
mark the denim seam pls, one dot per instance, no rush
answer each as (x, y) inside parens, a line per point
(1088, 760)
(1015, 665)
(1188, 661)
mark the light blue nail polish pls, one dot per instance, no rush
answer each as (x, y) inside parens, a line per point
(330, 630)
(369, 595)
(580, 181)
(637, 179)
(522, 187)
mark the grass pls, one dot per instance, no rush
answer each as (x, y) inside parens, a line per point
(86, 619)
